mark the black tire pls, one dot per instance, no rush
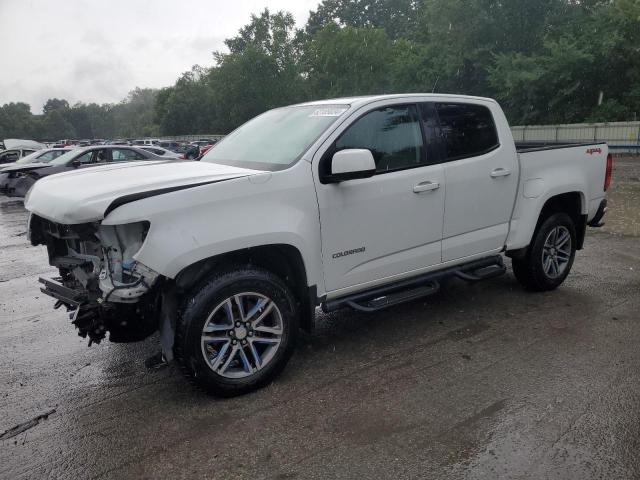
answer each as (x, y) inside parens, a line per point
(530, 271)
(222, 285)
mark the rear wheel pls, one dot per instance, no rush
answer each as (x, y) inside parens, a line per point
(237, 332)
(550, 256)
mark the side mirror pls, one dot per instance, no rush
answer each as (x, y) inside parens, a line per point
(75, 163)
(351, 164)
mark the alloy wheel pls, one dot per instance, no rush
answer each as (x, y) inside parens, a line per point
(242, 335)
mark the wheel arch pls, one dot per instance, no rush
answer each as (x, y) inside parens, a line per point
(572, 203)
(284, 260)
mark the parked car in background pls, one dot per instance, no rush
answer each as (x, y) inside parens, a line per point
(13, 155)
(161, 152)
(15, 149)
(205, 148)
(117, 141)
(170, 145)
(145, 141)
(41, 156)
(203, 142)
(22, 177)
(188, 151)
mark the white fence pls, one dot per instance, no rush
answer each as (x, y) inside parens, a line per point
(622, 137)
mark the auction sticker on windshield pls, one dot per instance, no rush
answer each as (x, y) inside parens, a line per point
(328, 112)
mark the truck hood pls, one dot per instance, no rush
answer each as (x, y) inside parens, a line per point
(84, 195)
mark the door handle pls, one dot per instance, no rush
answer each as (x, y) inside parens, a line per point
(500, 172)
(426, 187)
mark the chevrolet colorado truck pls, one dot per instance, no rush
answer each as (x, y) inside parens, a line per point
(358, 202)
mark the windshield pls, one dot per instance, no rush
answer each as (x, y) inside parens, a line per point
(63, 159)
(276, 139)
(32, 157)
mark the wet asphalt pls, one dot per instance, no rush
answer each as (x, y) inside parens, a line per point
(479, 381)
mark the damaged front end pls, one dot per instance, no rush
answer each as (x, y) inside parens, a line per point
(99, 281)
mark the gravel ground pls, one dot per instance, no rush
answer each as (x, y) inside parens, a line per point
(479, 381)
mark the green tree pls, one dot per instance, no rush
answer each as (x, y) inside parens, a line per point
(185, 107)
(545, 60)
(55, 104)
(134, 116)
(17, 121)
(398, 18)
(53, 126)
(343, 61)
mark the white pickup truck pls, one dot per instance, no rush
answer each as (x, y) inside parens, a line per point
(361, 202)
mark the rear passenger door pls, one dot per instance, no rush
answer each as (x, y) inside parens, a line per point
(482, 178)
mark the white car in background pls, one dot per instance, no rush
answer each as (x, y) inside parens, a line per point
(161, 152)
(15, 149)
(46, 155)
(145, 141)
(40, 156)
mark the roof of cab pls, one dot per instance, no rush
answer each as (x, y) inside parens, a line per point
(363, 100)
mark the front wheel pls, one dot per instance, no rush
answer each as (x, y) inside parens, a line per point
(237, 332)
(550, 255)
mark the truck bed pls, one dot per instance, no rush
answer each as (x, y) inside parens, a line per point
(549, 169)
(534, 146)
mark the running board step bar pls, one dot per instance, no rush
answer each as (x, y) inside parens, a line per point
(384, 301)
(482, 273)
(418, 287)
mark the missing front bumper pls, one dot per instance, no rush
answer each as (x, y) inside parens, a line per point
(67, 296)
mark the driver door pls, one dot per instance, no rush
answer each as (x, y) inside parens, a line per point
(388, 226)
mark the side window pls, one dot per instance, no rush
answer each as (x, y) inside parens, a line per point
(392, 134)
(8, 157)
(27, 152)
(125, 155)
(101, 156)
(85, 158)
(48, 156)
(466, 130)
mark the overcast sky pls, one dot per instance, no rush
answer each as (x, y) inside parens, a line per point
(98, 50)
